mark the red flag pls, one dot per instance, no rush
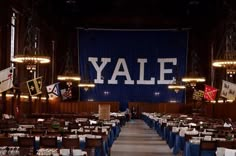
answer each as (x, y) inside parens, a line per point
(210, 93)
(66, 94)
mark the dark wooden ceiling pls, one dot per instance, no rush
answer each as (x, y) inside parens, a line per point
(134, 13)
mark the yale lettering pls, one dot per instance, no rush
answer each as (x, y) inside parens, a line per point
(121, 70)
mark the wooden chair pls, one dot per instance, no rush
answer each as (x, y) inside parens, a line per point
(26, 141)
(189, 136)
(66, 133)
(73, 126)
(93, 144)
(197, 127)
(84, 123)
(48, 142)
(3, 134)
(37, 132)
(7, 141)
(27, 145)
(104, 138)
(223, 130)
(234, 144)
(207, 146)
(53, 133)
(27, 151)
(73, 143)
(225, 144)
(103, 134)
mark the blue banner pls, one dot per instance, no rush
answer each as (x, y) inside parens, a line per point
(129, 66)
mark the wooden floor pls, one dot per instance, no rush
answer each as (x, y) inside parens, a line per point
(137, 139)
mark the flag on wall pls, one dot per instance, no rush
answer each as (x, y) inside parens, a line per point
(198, 95)
(210, 93)
(34, 86)
(228, 90)
(66, 94)
(6, 79)
(53, 90)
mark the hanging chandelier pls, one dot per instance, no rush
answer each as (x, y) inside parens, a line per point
(34, 59)
(86, 83)
(192, 80)
(176, 87)
(69, 75)
(30, 55)
(227, 51)
(228, 60)
(194, 76)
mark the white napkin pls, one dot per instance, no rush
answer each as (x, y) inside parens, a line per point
(175, 129)
(67, 123)
(59, 138)
(92, 122)
(82, 138)
(76, 152)
(192, 124)
(72, 136)
(230, 152)
(207, 138)
(37, 138)
(65, 152)
(220, 151)
(182, 131)
(40, 120)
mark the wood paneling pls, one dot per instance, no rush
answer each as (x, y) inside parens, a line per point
(155, 107)
(79, 107)
(219, 110)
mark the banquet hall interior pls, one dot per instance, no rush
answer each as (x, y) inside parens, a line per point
(118, 77)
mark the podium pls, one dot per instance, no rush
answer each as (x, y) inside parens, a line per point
(104, 111)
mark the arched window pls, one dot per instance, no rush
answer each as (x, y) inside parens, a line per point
(13, 35)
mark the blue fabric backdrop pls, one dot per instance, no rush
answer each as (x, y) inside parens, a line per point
(119, 53)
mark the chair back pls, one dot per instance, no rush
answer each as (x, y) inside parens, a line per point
(73, 126)
(26, 141)
(7, 141)
(48, 142)
(209, 146)
(93, 142)
(37, 132)
(70, 143)
(53, 133)
(225, 144)
(102, 134)
(94, 146)
(189, 136)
